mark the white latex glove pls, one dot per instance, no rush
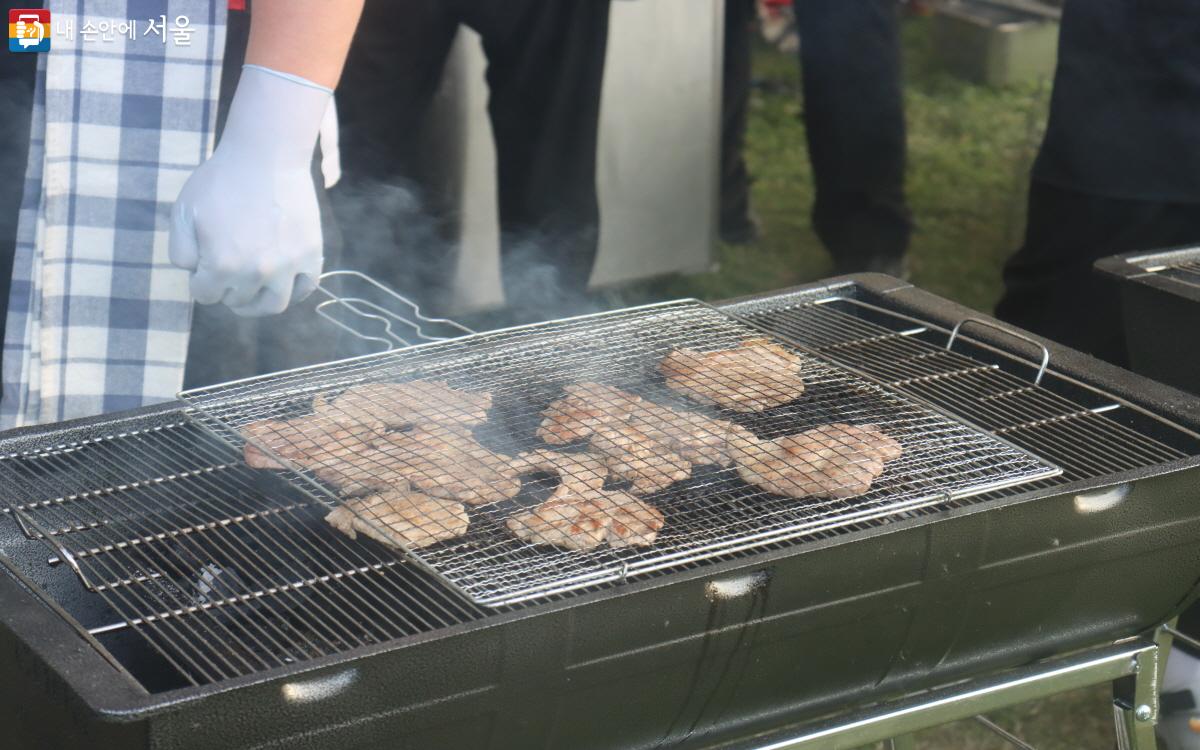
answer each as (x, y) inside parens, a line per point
(247, 224)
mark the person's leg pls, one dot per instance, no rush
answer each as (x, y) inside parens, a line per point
(545, 70)
(1050, 286)
(736, 224)
(388, 219)
(854, 119)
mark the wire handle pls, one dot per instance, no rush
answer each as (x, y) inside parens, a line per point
(410, 314)
(1006, 330)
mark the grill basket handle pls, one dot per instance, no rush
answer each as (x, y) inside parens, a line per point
(405, 312)
(1010, 332)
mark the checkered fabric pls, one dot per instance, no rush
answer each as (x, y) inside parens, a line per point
(98, 317)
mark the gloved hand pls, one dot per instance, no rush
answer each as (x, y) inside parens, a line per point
(247, 224)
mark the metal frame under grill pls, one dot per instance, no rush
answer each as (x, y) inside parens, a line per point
(711, 514)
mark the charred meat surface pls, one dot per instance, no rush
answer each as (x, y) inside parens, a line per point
(447, 461)
(392, 405)
(833, 460)
(401, 518)
(585, 407)
(586, 520)
(695, 437)
(303, 441)
(581, 472)
(631, 455)
(755, 376)
(589, 408)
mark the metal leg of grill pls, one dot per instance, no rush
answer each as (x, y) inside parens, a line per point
(1132, 666)
(1135, 698)
(1004, 734)
(907, 742)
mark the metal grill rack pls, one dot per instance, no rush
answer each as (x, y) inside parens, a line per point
(911, 356)
(224, 571)
(712, 513)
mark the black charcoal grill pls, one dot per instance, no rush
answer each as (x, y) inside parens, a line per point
(161, 594)
(1160, 295)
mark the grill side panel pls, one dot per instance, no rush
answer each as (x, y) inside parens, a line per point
(1154, 318)
(898, 609)
(50, 680)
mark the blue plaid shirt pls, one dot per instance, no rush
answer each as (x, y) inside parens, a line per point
(98, 318)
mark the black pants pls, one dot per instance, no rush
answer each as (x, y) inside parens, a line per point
(854, 118)
(735, 109)
(1050, 287)
(545, 68)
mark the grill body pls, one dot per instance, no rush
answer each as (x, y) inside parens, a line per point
(1160, 296)
(718, 651)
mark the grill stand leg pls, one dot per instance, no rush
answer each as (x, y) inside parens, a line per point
(1135, 698)
(1132, 664)
(907, 742)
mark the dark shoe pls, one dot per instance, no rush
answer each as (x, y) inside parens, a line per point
(743, 230)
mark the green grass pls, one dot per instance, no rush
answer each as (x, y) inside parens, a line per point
(970, 151)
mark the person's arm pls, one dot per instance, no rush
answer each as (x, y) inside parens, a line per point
(247, 223)
(307, 38)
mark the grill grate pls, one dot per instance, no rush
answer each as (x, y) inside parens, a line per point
(1084, 441)
(200, 555)
(150, 516)
(714, 512)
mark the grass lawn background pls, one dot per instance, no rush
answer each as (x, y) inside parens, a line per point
(970, 152)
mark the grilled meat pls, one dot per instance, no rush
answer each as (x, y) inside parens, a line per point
(582, 472)
(630, 454)
(303, 441)
(392, 405)
(695, 437)
(589, 408)
(443, 460)
(357, 469)
(401, 518)
(586, 520)
(833, 460)
(757, 375)
(586, 406)
(446, 461)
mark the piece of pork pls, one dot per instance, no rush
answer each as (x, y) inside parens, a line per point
(632, 455)
(300, 441)
(447, 461)
(833, 460)
(585, 407)
(758, 374)
(393, 405)
(586, 520)
(582, 472)
(401, 518)
(698, 438)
